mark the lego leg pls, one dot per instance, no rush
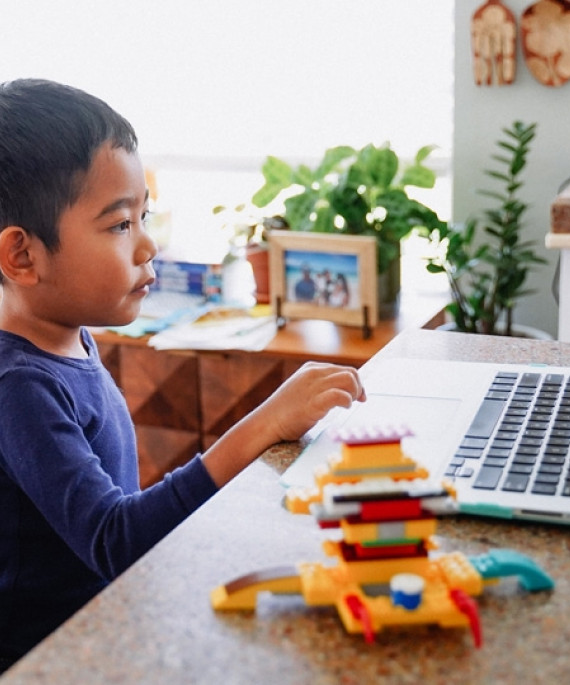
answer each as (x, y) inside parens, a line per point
(468, 607)
(499, 563)
(241, 593)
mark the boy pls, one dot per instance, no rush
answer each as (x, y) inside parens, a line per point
(74, 253)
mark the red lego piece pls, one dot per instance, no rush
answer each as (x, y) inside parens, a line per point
(360, 613)
(391, 510)
(468, 606)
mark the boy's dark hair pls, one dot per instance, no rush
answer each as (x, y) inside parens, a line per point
(49, 134)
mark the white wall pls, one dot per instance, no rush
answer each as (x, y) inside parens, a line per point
(214, 86)
(480, 113)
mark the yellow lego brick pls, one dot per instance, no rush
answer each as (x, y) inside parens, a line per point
(321, 585)
(299, 500)
(359, 456)
(460, 573)
(324, 477)
(388, 530)
(436, 607)
(370, 571)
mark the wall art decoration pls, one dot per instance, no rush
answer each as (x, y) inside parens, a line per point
(545, 35)
(493, 41)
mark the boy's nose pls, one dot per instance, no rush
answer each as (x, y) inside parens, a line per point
(147, 249)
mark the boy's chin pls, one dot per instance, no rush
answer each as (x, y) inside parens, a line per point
(116, 321)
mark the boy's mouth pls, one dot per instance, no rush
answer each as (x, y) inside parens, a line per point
(144, 286)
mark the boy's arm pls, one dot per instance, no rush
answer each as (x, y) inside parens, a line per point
(287, 414)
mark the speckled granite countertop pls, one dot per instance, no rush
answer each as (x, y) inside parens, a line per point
(155, 625)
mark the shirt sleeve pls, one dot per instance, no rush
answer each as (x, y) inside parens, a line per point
(45, 453)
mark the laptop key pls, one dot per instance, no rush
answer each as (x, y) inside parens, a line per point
(552, 478)
(488, 478)
(529, 379)
(553, 459)
(473, 443)
(499, 452)
(495, 461)
(515, 482)
(550, 468)
(524, 458)
(522, 468)
(465, 472)
(498, 394)
(467, 453)
(559, 433)
(503, 444)
(506, 435)
(533, 450)
(537, 425)
(543, 489)
(555, 450)
(534, 434)
(486, 419)
(560, 442)
(516, 411)
(521, 405)
(562, 425)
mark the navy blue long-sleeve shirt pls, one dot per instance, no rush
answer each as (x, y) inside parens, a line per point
(72, 515)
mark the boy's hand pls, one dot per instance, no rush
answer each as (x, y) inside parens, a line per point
(307, 396)
(289, 413)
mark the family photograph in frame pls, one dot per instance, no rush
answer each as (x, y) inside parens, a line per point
(324, 276)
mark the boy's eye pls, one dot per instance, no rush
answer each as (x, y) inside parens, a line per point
(146, 216)
(122, 227)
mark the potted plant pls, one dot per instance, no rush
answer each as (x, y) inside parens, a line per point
(357, 192)
(248, 232)
(487, 274)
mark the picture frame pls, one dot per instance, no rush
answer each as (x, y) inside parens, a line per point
(324, 276)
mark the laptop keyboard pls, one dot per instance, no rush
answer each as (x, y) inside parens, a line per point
(520, 437)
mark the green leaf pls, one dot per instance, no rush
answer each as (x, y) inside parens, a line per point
(499, 176)
(378, 165)
(303, 175)
(419, 176)
(507, 146)
(299, 208)
(424, 152)
(278, 175)
(324, 220)
(332, 159)
(350, 204)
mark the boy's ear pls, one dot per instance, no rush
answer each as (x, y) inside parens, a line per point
(16, 256)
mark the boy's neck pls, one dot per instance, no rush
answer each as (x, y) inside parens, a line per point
(47, 336)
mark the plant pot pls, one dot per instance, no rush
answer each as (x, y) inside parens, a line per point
(519, 331)
(258, 257)
(389, 284)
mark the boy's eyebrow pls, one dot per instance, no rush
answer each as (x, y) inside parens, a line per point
(120, 203)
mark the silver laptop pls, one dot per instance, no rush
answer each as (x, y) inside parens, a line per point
(500, 432)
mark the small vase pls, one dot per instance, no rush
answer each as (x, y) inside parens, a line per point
(389, 284)
(238, 283)
(258, 257)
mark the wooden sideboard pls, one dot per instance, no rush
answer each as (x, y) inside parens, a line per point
(182, 401)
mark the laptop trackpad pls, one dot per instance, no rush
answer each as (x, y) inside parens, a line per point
(430, 418)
